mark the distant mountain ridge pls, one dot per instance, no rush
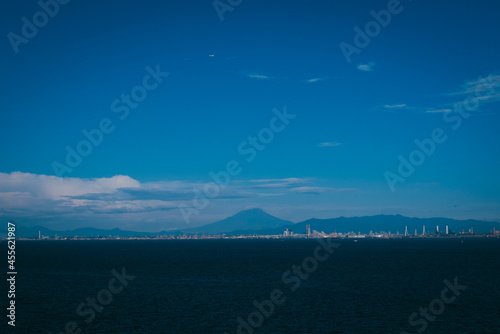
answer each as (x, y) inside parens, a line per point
(390, 223)
(32, 232)
(257, 221)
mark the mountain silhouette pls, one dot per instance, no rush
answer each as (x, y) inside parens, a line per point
(257, 221)
(247, 220)
(387, 223)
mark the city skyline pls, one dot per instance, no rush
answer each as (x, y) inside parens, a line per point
(258, 223)
(302, 109)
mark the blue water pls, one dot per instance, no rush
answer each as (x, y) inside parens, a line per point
(203, 286)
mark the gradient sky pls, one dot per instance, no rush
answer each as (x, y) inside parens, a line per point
(353, 120)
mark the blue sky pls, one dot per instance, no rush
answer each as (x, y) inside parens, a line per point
(433, 66)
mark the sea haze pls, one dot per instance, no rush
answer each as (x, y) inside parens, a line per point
(203, 286)
(257, 221)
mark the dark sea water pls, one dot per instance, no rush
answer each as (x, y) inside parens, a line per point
(203, 286)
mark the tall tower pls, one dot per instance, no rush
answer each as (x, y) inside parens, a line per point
(446, 229)
(308, 230)
(423, 230)
(406, 230)
(437, 229)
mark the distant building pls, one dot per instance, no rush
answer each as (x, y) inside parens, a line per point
(308, 230)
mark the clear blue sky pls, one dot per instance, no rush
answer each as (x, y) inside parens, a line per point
(353, 120)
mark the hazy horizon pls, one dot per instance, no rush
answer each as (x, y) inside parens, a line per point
(160, 115)
(190, 226)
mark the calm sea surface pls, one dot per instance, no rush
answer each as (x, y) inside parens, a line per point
(204, 286)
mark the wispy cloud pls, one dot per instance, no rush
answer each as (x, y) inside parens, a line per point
(309, 190)
(490, 85)
(258, 76)
(366, 67)
(26, 194)
(315, 80)
(396, 106)
(319, 190)
(437, 110)
(108, 202)
(329, 144)
(302, 186)
(279, 183)
(484, 90)
(405, 107)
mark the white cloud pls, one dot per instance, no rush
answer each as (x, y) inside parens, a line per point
(64, 203)
(329, 144)
(258, 76)
(56, 188)
(315, 80)
(318, 190)
(39, 196)
(279, 183)
(26, 194)
(280, 187)
(366, 67)
(485, 90)
(309, 190)
(70, 202)
(290, 179)
(438, 110)
(490, 84)
(395, 106)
